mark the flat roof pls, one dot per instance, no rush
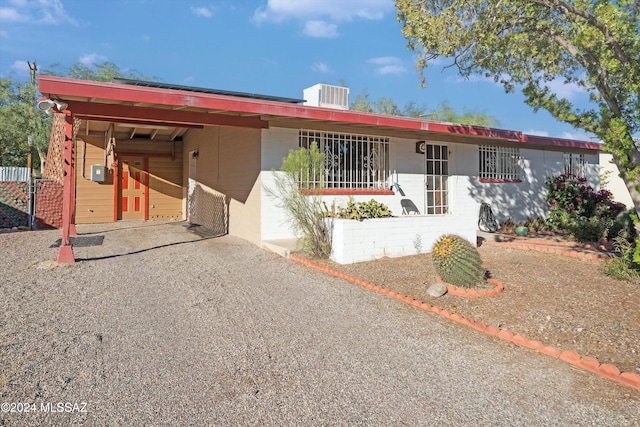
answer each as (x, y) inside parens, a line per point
(160, 85)
(152, 102)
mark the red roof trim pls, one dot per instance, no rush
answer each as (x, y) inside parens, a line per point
(59, 87)
(511, 136)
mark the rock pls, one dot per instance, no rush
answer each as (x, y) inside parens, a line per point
(437, 290)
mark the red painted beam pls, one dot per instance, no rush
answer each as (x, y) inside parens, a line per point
(115, 112)
(65, 253)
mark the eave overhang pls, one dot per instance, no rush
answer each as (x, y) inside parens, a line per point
(113, 101)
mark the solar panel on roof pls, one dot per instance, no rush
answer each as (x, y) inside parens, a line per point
(171, 86)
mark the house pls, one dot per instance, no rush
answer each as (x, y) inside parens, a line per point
(155, 151)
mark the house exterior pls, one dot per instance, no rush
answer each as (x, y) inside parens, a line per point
(152, 151)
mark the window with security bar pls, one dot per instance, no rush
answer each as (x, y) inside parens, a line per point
(351, 161)
(500, 164)
(574, 164)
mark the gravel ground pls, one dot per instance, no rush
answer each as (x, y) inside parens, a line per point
(568, 303)
(158, 326)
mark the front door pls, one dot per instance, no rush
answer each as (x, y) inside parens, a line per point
(132, 188)
(436, 179)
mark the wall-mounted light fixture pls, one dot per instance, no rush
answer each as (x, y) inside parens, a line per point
(47, 105)
(195, 154)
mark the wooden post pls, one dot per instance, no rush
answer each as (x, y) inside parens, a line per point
(65, 254)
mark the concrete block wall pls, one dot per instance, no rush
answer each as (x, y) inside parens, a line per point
(357, 241)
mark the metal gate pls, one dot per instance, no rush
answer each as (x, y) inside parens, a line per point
(28, 203)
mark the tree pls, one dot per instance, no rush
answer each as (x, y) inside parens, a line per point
(442, 113)
(19, 120)
(104, 72)
(594, 45)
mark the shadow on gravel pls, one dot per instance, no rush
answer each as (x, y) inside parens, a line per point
(81, 241)
(136, 226)
(139, 251)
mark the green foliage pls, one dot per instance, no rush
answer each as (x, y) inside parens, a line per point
(363, 210)
(442, 113)
(584, 213)
(18, 119)
(592, 45)
(104, 72)
(457, 261)
(308, 217)
(306, 166)
(625, 266)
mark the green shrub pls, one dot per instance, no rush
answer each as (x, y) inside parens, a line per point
(457, 261)
(579, 210)
(625, 266)
(307, 214)
(363, 210)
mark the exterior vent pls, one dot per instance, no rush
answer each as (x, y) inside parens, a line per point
(328, 96)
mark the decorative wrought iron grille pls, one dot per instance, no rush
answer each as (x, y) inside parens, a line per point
(500, 163)
(351, 161)
(574, 163)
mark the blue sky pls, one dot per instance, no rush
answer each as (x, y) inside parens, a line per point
(272, 47)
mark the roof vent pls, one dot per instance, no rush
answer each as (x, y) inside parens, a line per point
(328, 96)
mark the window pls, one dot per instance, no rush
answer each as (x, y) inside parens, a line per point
(499, 164)
(351, 161)
(574, 164)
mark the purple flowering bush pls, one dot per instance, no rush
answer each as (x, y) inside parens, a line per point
(576, 208)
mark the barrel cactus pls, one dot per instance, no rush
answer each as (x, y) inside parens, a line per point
(457, 261)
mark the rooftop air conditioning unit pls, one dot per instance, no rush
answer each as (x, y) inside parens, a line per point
(328, 96)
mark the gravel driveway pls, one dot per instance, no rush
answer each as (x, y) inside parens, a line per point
(159, 326)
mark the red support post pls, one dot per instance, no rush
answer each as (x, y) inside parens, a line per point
(65, 254)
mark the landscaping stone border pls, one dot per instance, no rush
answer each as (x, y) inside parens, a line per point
(551, 248)
(591, 364)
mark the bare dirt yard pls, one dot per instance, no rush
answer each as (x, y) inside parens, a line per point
(568, 303)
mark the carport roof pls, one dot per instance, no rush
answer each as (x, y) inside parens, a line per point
(165, 104)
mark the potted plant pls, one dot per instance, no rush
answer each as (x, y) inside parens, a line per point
(521, 229)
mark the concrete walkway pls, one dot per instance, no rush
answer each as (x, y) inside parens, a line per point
(157, 326)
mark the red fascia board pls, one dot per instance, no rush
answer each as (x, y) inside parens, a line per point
(511, 136)
(125, 113)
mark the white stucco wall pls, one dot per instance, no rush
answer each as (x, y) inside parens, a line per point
(466, 193)
(612, 181)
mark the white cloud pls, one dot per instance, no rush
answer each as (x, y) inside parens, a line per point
(20, 67)
(570, 91)
(8, 14)
(37, 12)
(4, 34)
(202, 12)
(337, 10)
(385, 65)
(320, 29)
(91, 59)
(320, 67)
